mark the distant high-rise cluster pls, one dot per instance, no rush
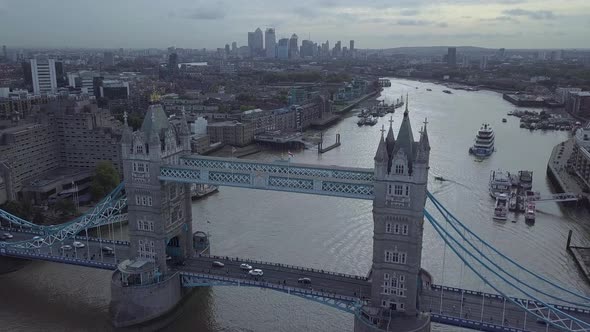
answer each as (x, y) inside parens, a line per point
(267, 45)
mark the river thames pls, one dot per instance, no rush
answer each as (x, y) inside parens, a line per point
(334, 233)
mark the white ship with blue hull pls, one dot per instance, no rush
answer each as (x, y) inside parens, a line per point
(484, 142)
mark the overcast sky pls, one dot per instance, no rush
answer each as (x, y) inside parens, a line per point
(371, 23)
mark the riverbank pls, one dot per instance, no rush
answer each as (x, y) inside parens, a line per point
(558, 174)
(581, 256)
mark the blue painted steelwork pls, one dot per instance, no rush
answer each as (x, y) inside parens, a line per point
(58, 259)
(544, 311)
(472, 324)
(110, 206)
(279, 167)
(344, 303)
(455, 223)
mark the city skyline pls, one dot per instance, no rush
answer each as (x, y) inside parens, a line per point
(373, 24)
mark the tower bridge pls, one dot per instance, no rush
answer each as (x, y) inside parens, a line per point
(397, 294)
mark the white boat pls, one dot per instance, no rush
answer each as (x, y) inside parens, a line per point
(202, 190)
(501, 208)
(500, 183)
(371, 121)
(484, 142)
(529, 214)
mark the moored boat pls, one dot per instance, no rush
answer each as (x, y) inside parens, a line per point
(447, 91)
(484, 142)
(501, 208)
(202, 190)
(529, 214)
(499, 183)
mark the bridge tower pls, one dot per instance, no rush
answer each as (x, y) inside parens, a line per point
(401, 176)
(160, 220)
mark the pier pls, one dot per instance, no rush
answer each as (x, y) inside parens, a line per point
(321, 149)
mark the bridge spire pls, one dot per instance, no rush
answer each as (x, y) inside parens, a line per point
(381, 155)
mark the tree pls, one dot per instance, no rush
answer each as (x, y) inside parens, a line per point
(38, 217)
(105, 180)
(66, 207)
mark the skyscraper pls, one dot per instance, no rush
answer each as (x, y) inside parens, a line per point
(226, 49)
(337, 49)
(283, 49)
(108, 59)
(307, 48)
(351, 48)
(258, 42)
(173, 63)
(293, 47)
(234, 48)
(270, 43)
(43, 76)
(4, 52)
(452, 57)
(251, 42)
(483, 65)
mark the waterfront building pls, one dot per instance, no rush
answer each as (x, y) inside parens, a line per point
(563, 93)
(578, 103)
(270, 43)
(43, 75)
(580, 159)
(452, 57)
(231, 132)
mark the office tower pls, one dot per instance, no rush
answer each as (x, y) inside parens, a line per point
(226, 49)
(293, 47)
(351, 48)
(234, 48)
(337, 49)
(108, 59)
(258, 42)
(4, 52)
(270, 43)
(501, 53)
(43, 76)
(173, 63)
(307, 48)
(251, 42)
(283, 49)
(483, 65)
(452, 57)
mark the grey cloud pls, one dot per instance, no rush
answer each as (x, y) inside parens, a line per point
(532, 14)
(409, 12)
(305, 12)
(442, 25)
(206, 14)
(413, 22)
(500, 19)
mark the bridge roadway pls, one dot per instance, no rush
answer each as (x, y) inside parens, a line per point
(454, 311)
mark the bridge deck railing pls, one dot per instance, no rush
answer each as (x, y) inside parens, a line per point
(58, 259)
(500, 297)
(266, 284)
(294, 267)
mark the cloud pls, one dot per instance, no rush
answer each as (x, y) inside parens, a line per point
(305, 12)
(210, 11)
(413, 22)
(532, 14)
(442, 25)
(409, 12)
(503, 18)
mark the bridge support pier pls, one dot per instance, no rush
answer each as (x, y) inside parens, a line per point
(139, 304)
(365, 323)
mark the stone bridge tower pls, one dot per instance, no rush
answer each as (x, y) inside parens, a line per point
(160, 220)
(401, 176)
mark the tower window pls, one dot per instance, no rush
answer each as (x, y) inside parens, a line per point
(139, 149)
(398, 190)
(388, 228)
(399, 169)
(405, 229)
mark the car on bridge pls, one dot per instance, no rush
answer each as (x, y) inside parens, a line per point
(37, 239)
(6, 236)
(217, 264)
(78, 244)
(66, 247)
(245, 266)
(108, 251)
(304, 280)
(256, 272)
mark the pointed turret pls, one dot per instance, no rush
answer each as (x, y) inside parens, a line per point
(184, 124)
(424, 142)
(405, 137)
(390, 140)
(127, 134)
(381, 155)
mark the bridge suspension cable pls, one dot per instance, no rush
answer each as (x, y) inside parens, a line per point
(455, 223)
(541, 310)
